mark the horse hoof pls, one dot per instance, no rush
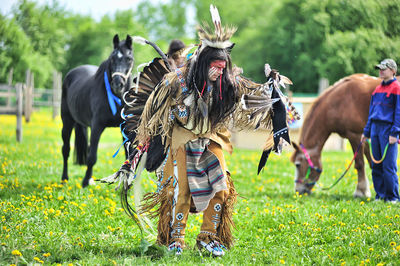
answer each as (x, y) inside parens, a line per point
(85, 183)
(360, 194)
(89, 182)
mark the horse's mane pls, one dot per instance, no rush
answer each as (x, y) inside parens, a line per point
(320, 100)
(104, 66)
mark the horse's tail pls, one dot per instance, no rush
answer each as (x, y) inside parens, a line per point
(81, 144)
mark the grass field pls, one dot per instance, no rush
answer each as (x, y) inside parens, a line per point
(43, 222)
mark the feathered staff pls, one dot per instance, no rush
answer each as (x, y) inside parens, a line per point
(143, 41)
(130, 174)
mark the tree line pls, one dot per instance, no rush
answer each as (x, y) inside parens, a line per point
(304, 39)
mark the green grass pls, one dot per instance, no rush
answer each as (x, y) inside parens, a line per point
(47, 223)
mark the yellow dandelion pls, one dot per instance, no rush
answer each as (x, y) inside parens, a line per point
(16, 252)
(46, 255)
(371, 249)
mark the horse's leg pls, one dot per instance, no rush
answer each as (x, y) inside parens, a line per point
(95, 134)
(68, 125)
(367, 154)
(362, 189)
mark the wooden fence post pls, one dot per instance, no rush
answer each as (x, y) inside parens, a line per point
(19, 88)
(10, 78)
(29, 81)
(56, 93)
(323, 84)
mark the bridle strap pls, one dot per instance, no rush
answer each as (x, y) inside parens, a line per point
(310, 163)
(123, 75)
(310, 167)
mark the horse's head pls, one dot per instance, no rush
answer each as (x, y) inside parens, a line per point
(308, 168)
(121, 64)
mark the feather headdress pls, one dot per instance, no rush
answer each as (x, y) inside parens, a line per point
(217, 37)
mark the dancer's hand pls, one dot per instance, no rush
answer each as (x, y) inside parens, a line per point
(392, 140)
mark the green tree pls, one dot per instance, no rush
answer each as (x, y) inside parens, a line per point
(15, 50)
(92, 41)
(43, 26)
(164, 21)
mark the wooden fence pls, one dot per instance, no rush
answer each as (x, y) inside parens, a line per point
(26, 97)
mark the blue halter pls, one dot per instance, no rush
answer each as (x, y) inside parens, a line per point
(112, 99)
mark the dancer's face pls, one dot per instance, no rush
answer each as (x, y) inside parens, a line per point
(216, 69)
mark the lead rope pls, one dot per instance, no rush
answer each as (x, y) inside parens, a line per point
(372, 156)
(347, 169)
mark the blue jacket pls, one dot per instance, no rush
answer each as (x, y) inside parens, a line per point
(385, 107)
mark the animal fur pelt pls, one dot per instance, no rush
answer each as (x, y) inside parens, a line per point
(279, 116)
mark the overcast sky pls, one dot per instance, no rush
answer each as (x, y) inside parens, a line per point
(95, 8)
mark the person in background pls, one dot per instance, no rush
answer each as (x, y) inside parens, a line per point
(383, 127)
(175, 56)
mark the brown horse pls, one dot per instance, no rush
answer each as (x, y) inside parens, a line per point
(343, 108)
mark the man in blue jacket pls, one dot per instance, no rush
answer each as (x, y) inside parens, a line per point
(383, 127)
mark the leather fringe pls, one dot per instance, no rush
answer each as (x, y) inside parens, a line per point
(226, 225)
(163, 200)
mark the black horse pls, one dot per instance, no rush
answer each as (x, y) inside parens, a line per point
(88, 100)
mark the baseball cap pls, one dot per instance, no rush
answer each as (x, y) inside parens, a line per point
(387, 63)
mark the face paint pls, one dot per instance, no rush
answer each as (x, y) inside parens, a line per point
(216, 69)
(212, 71)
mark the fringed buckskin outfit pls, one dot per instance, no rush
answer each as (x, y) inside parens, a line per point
(194, 174)
(183, 128)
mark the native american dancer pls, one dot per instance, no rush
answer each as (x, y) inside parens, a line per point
(183, 127)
